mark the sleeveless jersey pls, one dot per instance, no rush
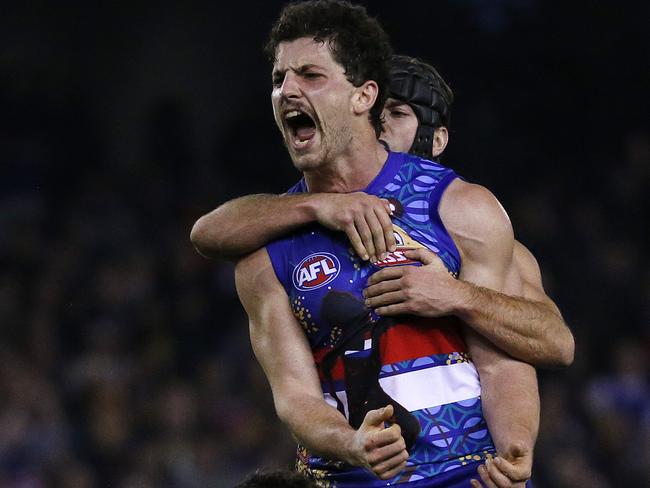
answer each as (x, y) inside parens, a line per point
(424, 362)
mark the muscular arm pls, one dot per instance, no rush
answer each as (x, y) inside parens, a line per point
(510, 399)
(482, 231)
(245, 224)
(517, 316)
(281, 347)
(483, 234)
(523, 321)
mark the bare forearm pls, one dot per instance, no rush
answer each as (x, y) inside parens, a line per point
(319, 427)
(510, 401)
(509, 395)
(245, 224)
(528, 330)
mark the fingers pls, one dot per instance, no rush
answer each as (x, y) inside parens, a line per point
(516, 472)
(366, 236)
(384, 449)
(377, 417)
(476, 483)
(386, 274)
(356, 242)
(389, 207)
(493, 477)
(485, 477)
(386, 295)
(385, 299)
(370, 229)
(394, 309)
(381, 288)
(389, 456)
(378, 233)
(425, 256)
(387, 228)
(387, 436)
(392, 466)
(500, 479)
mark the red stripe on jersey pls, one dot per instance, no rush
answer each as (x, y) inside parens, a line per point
(420, 337)
(338, 372)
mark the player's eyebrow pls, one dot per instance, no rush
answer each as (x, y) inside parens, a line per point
(306, 67)
(299, 70)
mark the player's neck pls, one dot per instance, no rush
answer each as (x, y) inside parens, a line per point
(351, 171)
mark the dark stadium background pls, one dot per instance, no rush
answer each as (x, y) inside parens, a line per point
(124, 356)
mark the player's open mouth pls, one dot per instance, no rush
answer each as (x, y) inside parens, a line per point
(301, 128)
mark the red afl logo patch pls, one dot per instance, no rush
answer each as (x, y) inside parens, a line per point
(316, 270)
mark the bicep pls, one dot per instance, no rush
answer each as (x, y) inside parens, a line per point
(530, 276)
(278, 341)
(481, 229)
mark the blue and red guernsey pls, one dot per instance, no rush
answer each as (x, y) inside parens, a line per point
(424, 365)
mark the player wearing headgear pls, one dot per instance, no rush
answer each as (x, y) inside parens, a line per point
(419, 102)
(329, 266)
(420, 86)
(416, 117)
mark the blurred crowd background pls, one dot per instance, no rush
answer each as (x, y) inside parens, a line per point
(124, 356)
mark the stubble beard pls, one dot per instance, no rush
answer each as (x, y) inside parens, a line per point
(337, 143)
(332, 144)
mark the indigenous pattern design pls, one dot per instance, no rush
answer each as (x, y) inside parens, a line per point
(419, 365)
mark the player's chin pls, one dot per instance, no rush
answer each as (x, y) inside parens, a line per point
(305, 160)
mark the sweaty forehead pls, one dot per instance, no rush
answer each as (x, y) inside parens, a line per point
(303, 52)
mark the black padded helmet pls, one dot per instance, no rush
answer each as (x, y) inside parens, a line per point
(421, 86)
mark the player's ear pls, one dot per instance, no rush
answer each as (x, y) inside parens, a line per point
(440, 140)
(364, 97)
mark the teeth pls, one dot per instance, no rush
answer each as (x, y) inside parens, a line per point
(292, 114)
(300, 143)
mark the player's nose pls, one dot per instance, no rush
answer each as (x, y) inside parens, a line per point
(290, 87)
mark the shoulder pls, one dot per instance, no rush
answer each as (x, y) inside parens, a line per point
(255, 279)
(475, 219)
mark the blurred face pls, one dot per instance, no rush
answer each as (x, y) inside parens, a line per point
(400, 125)
(311, 102)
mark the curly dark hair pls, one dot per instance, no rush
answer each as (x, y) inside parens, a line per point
(277, 479)
(356, 40)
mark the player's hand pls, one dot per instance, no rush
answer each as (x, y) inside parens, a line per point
(509, 471)
(426, 291)
(364, 218)
(378, 448)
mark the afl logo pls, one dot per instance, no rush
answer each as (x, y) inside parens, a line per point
(316, 270)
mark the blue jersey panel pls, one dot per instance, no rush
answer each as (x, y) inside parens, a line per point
(421, 365)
